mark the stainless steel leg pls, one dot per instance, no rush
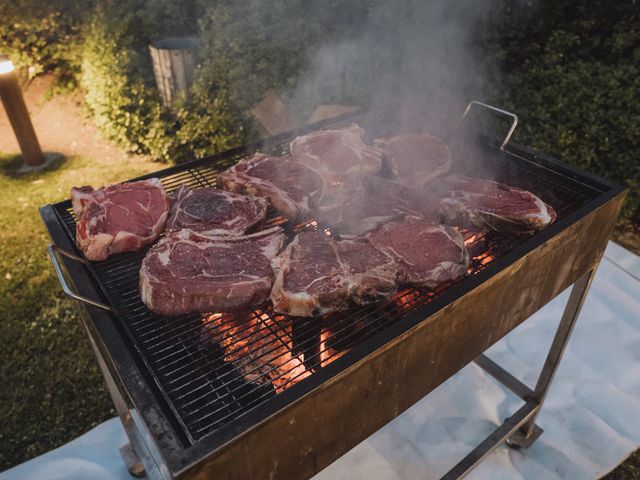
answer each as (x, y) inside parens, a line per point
(128, 452)
(527, 434)
(520, 429)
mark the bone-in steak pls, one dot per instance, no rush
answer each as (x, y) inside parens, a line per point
(429, 254)
(416, 159)
(215, 212)
(292, 188)
(186, 272)
(118, 218)
(335, 153)
(489, 204)
(364, 202)
(316, 275)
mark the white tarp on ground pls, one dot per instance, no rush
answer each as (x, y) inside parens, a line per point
(591, 418)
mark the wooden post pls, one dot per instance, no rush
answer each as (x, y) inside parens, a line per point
(18, 114)
(173, 66)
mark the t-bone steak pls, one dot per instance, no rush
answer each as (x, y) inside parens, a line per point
(416, 159)
(430, 254)
(335, 153)
(186, 272)
(119, 218)
(364, 202)
(211, 211)
(316, 275)
(290, 187)
(488, 204)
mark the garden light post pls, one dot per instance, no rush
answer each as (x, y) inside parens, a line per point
(13, 102)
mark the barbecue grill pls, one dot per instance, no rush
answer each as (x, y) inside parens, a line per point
(260, 395)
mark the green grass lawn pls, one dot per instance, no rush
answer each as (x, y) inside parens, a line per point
(52, 389)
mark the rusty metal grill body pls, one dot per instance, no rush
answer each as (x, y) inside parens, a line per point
(190, 390)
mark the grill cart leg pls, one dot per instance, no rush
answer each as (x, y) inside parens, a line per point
(128, 452)
(520, 429)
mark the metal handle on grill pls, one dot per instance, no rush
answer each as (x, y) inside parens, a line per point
(53, 249)
(498, 110)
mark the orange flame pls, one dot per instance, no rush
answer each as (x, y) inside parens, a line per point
(327, 354)
(259, 347)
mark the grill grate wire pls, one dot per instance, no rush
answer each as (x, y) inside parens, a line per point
(213, 369)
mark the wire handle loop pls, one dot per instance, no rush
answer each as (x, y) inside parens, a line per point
(514, 123)
(53, 255)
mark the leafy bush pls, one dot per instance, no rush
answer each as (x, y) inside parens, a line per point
(116, 79)
(120, 91)
(42, 37)
(572, 72)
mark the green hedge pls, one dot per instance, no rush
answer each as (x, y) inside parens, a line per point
(42, 36)
(571, 69)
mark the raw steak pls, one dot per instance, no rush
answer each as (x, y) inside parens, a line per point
(186, 272)
(210, 211)
(118, 218)
(416, 159)
(429, 254)
(310, 280)
(259, 347)
(335, 153)
(316, 275)
(364, 202)
(292, 188)
(372, 273)
(489, 204)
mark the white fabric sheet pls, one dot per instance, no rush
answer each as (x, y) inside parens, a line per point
(591, 418)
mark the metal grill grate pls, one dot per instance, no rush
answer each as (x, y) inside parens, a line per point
(212, 369)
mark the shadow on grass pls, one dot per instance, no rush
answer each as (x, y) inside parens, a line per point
(12, 165)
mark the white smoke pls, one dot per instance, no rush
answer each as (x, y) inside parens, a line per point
(420, 53)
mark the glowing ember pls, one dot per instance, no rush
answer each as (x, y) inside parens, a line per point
(327, 354)
(406, 299)
(473, 238)
(487, 259)
(259, 347)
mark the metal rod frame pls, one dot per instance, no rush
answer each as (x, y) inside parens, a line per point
(520, 430)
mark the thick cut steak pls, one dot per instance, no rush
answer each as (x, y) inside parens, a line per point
(186, 272)
(309, 277)
(316, 275)
(489, 204)
(119, 218)
(364, 202)
(429, 254)
(372, 273)
(215, 212)
(416, 159)
(292, 188)
(335, 153)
